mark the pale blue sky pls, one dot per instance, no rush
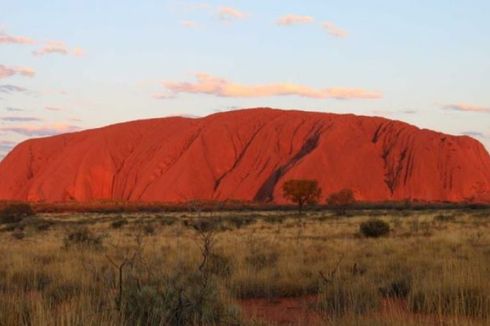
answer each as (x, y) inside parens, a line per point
(428, 61)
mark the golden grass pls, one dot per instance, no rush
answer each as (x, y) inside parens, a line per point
(432, 269)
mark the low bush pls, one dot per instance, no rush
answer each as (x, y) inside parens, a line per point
(167, 220)
(184, 299)
(262, 259)
(119, 223)
(397, 288)
(240, 221)
(220, 265)
(349, 297)
(444, 218)
(83, 237)
(62, 292)
(374, 228)
(451, 299)
(18, 234)
(15, 213)
(30, 280)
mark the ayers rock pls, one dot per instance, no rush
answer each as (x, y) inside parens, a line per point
(247, 155)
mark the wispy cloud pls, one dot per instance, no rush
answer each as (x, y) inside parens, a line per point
(8, 89)
(58, 47)
(333, 30)
(207, 84)
(11, 39)
(408, 111)
(463, 107)
(41, 130)
(163, 96)
(20, 119)
(292, 19)
(53, 108)
(12, 71)
(229, 14)
(11, 109)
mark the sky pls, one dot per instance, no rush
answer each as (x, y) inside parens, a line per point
(68, 65)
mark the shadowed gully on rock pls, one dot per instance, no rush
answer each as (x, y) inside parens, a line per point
(248, 155)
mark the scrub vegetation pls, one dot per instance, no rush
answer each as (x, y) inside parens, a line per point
(364, 267)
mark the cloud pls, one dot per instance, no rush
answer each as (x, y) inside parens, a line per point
(292, 19)
(333, 30)
(462, 107)
(11, 109)
(52, 108)
(163, 96)
(10, 39)
(229, 14)
(197, 6)
(8, 89)
(58, 47)
(408, 111)
(5, 147)
(41, 130)
(477, 134)
(188, 24)
(12, 71)
(207, 84)
(19, 119)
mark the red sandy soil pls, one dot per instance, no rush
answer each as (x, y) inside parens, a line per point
(247, 155)
(300, 311)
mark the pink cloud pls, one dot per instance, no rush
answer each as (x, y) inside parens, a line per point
(12, 71)
(207, 84)
(292, 19)
(58, 47)
(188, 24)
(41, 130)
(466, 108)
(11, 39)
(229, 13)
(333, 30)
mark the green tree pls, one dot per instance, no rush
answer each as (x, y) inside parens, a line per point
(302, 192)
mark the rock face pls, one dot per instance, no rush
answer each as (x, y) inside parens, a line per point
(247, 155)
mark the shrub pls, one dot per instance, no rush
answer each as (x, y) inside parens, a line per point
(14, 213)
(220, 265)
(374, 228)
(206, 224)
(444, 218)
(351, 296)
(341, 200)
(275, 219)
(148, 229)
(119, 223)
(59, 293)
(43, 225)
(30, 280)
(183, 299)
(397, 288)
(261, 260)
(83, 237)
(451, 299)
(240, 221)
(167, 220)
(18, 234)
